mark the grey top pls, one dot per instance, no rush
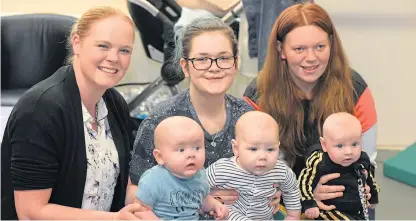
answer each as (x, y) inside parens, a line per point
(180, 105)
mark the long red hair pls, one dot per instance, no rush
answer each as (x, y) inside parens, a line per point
(279, 96)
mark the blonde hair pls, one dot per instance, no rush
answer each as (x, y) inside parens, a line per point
(84, 23)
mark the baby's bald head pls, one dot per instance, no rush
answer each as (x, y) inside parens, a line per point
(179, 146)
(340, 122)
(256, 143)
(255, 123)
(176, 128)
(342, 138)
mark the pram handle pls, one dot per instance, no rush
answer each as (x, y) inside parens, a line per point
(233, 14)
(152, 10)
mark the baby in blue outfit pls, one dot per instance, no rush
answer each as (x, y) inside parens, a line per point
(177, 188)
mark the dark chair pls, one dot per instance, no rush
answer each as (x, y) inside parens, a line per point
(154, 19)
(33, 47)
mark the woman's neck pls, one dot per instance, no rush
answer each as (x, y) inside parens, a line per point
(207, 105)
(90, 94)
(210, 110)
(306, 88)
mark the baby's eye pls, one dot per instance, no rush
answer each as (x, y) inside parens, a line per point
(271, 149)
(181, 149)
(355, 144)
(197, 148)
(253, 148)
(299, 49)
(103, 46)
(125, 51)
(339, 145)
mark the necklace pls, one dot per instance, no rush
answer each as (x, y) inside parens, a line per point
(213, 143)
(95, 119)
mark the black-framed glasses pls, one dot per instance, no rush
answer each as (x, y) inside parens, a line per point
(205, 63)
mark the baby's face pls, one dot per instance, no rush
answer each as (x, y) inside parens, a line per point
(257, 151)
(343, 146)
(184, 154)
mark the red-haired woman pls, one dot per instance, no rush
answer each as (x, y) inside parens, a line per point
(305, 78)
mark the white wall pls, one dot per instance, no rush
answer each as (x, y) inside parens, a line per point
(379, 37)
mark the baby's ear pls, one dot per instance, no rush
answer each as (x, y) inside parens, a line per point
(321, 139)
(234, 144)
(157, 154)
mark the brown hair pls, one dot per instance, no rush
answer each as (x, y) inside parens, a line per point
(84, 23)
(280, 97)
(197, 27)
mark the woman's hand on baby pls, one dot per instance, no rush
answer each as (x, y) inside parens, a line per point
(325, 192)
(144, 212)
(276, 201)
(312, 213)
(367, 192)
(146, 215)
(220, 211)
(129, 212)
(225, 196)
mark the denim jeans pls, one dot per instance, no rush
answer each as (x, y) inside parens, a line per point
(261, 16)
(372, 214)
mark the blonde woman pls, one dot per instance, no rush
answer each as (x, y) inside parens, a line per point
(65, 152)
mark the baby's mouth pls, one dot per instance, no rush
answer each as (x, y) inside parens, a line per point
(190, 165)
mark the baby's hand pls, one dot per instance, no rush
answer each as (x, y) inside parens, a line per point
(221, 211)
(312, 213)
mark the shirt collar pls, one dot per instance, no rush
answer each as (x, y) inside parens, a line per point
(101, 109)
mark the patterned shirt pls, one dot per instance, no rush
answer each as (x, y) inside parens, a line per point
(254, 190)
(103, 165)
(216, 145)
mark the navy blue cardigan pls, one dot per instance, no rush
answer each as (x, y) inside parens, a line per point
(44, 146)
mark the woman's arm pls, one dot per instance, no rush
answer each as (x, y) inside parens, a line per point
(150, 215)
(365, 111)
(131, 192)
(33, 204)
(325, 192)
(215, 208)
(293, 215)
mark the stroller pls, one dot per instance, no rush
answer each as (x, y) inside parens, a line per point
(155, 20)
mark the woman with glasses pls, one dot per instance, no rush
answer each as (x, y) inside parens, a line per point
(206, 52)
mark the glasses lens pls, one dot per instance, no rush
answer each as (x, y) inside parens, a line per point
(202, 63)
(225, 62)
